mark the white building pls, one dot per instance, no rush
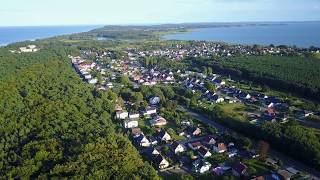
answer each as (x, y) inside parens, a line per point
(201, 166)
(93, 81)
(130, 123)
(134, 115)
(177, 147)
(150, 111)
(158, 121)
(121, 114)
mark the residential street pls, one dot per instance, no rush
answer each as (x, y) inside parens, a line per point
(273, 153)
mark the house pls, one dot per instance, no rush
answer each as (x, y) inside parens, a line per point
(154, 100)
(142, 141)
(177, 147)
(130, 123)
(164, 136)
(135, 132)
(271, 112)
(185, 123)
(204, 152)
(121, 114)
(193, 131)
(160, 162)
(88, 76)
(272, 162)
(150, 111)
(216, 99)
(151, 151)
(153, 140)
(218, 171)
(247, 154)
(292, 170)
(239, 169)
(218, 82)
(201, 166)
(209, 140)
(134, 115)
(118, 107)
(232, 152)
(284, 174)
(195, 145)
(220, 148)
(158, 121)
(93, 81)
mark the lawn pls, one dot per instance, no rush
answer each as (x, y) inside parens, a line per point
(234, 110)
(217, 158)
(171, 128)
(260, 167)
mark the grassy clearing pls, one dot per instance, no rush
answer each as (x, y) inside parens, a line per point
(234, 110)
(259, 167)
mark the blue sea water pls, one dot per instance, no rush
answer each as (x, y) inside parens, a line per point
(301, 34)
(16, 34)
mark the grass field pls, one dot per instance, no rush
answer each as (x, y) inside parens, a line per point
(260, 167)
(234, 110)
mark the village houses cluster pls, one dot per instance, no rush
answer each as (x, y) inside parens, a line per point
(203, 144)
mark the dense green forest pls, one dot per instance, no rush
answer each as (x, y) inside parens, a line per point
(298, 74)
(55, 126)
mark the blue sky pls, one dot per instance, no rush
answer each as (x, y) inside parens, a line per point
(75, 12)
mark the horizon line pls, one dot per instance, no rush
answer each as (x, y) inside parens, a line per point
(154, 24)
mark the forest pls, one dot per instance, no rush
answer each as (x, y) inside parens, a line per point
(299, 75)
(55, 126)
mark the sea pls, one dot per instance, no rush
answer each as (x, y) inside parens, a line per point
(300, 34)
(16, 34)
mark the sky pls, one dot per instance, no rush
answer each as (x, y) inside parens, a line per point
(101, 12)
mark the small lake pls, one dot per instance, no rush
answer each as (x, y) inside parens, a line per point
(301, 34)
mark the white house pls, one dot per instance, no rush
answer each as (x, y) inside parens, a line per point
(248, 96)
(142, 141)
(152, 151)
(209, 140)
(201, 166)
(160, 162)
(121, 114)
(220, 100)
(88, 76)
(204, 152)
(220, 148)
(154, 100)
(93, 81)
(134, 115)
(130, 123)
(150, 111)
(158, 121)
(177, 147)
(164, 136)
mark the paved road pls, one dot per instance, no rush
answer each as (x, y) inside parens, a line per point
(285, 159)
(309, 124)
